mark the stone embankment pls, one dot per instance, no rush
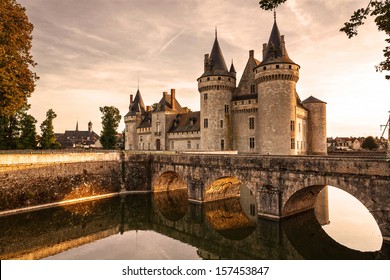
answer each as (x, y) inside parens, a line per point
(34, 179)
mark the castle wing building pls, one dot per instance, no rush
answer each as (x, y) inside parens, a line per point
(263, 114)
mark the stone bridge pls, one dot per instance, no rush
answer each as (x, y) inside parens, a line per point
(282, 186)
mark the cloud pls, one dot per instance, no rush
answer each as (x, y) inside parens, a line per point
(89, 53)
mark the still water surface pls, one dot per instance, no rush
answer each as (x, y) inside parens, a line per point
(166, 226)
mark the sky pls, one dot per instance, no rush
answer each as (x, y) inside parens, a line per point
(90, 54)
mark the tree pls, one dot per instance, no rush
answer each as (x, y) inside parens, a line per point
(370, 143)
(48, 139)
(270, 4)
(17, 81)
(110, 122)
(9, 132)
(379, 9)
(28, 134)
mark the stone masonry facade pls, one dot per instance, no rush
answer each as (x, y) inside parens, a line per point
(263, 114)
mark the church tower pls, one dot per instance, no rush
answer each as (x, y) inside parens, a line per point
(276, 77)
(216, 87)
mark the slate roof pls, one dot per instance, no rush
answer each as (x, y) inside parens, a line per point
(312, 99)
(248, 77)
(275, 52)
(165, 104)
(188, 122)
(146, 121)
(137, 105)
(245, 97)
(76, 137)
(217, 65)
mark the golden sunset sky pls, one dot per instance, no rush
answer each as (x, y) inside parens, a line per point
(89, 54)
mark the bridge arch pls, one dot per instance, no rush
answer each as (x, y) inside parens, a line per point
(169, 181)
(222, 188)
(229, 219)
(300, 197)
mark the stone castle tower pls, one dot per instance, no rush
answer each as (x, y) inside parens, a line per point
(276, 77)
(133, 119)
(263, 114)
(216, 87)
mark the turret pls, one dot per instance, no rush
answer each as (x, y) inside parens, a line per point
(316, 126)
(276, 77)
(216, 86)
(132, 120)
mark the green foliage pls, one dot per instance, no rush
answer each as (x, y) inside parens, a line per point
(9, 132)
(110, 122)
(381, 11)
(17, 81)
(28, 134)
(270, 4)
(48, 139)
(370, 143)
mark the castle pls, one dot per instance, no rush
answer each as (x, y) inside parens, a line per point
(263, 114)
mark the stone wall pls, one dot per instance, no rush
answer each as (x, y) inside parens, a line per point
(33, 179)
(283, 185)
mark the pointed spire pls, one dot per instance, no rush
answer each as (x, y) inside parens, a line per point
(275, 51)
(232, 69)
(216, 56)
(215, 63)
(137, 105)
(77, 126)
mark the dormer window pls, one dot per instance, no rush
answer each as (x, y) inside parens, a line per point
(192, 120)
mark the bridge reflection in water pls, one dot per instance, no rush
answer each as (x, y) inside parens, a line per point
(223, 229)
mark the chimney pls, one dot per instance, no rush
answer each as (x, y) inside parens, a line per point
(173, 98)
(251, 53)
(207, 62)
(264, 50)
(165, 95)
(131, 99)
(90, 127)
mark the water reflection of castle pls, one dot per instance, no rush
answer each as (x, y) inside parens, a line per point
(43, 233)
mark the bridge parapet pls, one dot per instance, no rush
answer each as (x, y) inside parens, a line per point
(275, 180)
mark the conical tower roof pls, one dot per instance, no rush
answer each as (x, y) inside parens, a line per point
(276, 51)
(216, 64)
(216, 57)
(137, 105)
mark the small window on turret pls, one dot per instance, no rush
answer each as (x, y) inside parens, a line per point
(289, 67)
(208, 79)
(277, 66)
(264, 68)
(205, 96)
(219, 78)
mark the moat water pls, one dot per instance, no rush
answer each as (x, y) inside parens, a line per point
(166, 226)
